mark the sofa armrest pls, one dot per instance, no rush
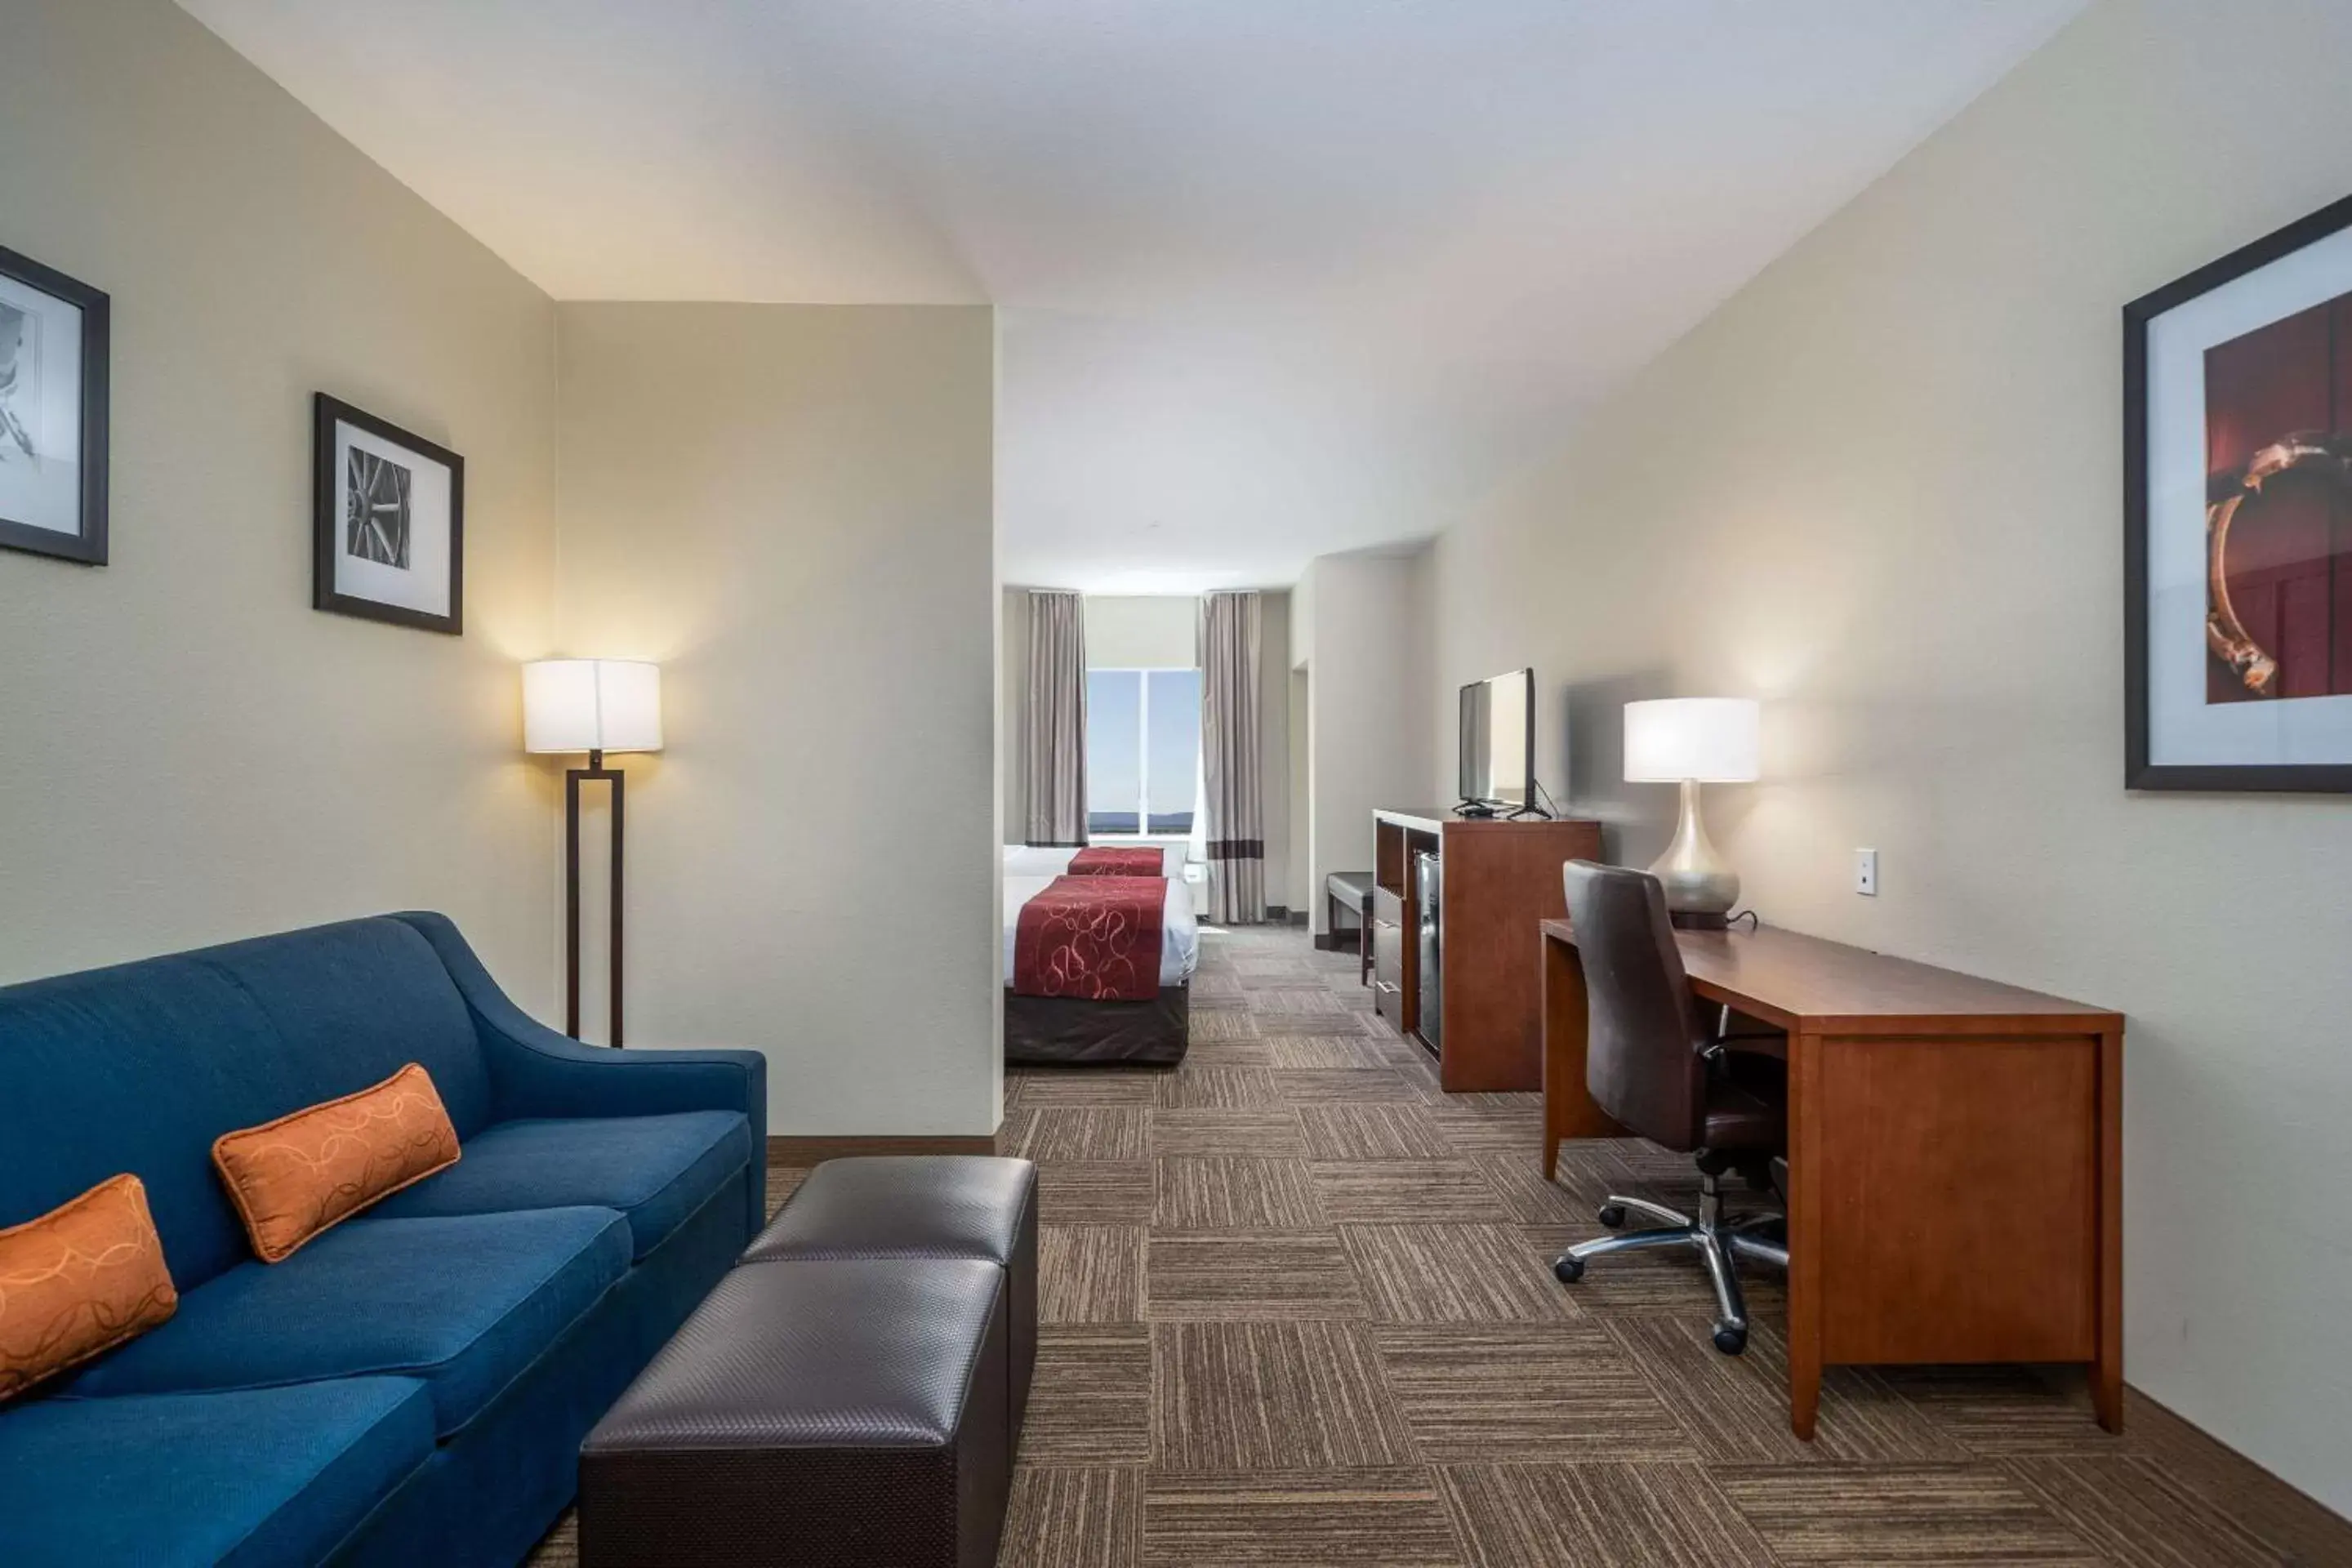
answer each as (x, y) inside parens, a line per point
(535, 1071)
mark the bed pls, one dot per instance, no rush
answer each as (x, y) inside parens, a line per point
(1035, 860)
(1064, 1030)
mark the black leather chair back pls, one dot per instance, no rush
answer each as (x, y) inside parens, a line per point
(1642, 1063)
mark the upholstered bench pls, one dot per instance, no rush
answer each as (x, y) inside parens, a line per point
(925, 1205)
(829, 1412)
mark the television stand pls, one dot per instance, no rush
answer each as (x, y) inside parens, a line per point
(1479, 1010)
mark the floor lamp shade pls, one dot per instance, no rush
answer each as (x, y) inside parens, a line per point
(591, 705)
(1692, 741)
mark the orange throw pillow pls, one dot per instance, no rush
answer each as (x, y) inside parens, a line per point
(303, 1173)
(78, 1280)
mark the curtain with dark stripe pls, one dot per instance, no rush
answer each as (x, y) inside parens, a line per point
(1231, 767)
(1058, 719)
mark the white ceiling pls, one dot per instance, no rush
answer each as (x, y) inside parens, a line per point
(1276, 277)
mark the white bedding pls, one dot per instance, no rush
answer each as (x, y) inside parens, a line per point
(1180, 931)
(1030, 860)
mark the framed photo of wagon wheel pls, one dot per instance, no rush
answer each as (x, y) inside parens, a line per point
(2238, 519)
(388, 521)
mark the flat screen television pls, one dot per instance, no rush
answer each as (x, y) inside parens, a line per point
(1499, 742)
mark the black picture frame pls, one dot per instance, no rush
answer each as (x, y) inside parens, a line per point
(88, 547)
(328, 413)
(2138, 317)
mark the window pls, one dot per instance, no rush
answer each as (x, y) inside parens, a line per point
(1143, 750)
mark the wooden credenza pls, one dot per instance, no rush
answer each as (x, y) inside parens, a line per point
(1495, 878)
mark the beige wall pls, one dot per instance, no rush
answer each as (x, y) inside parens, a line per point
(1367, 646)
(188, 752)
(791, 507)
(1880, 490)
(1157, 631)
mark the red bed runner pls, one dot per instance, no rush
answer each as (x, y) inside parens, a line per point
(1150, 861)
(1091, 937)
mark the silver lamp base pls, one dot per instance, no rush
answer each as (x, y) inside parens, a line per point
(1701, 887)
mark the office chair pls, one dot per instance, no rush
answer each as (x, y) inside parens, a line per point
(1655, 1068)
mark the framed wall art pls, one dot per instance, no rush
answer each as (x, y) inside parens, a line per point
(2238, 519)
(53, 406)
(388, 524)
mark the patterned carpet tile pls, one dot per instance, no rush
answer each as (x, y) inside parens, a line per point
(1090, 1401)
(1224, 1194)
(2135, 1513)
(1630, 1515)
(1095, 1192)
(1037, 1091)
(1403, 1192)
(1074, 1517)
(1736, 1408)
(1210, 1026)
(1266, 1133)
(1314, 1086)
(1265, 1276)
(1376, 1519)
(1513, 1393)
(1372, 1132)
(1237, 1052)
(1941, 1514)
(1090, 1273)
(1078, 1132)
(1196, 1088)
(1309, 1052)
(1453, 1273)
(1997, 1412)
(1271, 1396)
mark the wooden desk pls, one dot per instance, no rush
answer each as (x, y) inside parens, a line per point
(1954, 1154)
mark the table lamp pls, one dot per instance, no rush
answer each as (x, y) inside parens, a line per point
(1692, 741)
(591, 705)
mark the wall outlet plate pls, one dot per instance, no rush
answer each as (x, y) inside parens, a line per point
(1865, 872)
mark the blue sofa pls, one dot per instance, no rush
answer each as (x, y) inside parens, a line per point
(412, 1385)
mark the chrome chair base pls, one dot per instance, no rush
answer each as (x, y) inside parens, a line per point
(1719, 1238)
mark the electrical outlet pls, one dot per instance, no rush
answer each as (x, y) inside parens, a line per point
(1865, 872)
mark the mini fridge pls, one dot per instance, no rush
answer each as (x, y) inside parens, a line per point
(1427, 1011)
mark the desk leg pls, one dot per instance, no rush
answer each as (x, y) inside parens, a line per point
(1568, 1106)
(2108, 1370)
(1805, 1233)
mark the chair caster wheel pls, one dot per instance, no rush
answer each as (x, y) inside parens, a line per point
(1611, 1215)
(1731, 1341)
(1567, 1270)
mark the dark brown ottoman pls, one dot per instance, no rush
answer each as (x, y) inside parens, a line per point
(827, 1413)
(924, 1206)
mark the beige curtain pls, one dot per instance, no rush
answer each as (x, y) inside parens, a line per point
(1231, 767)
(1058, 719)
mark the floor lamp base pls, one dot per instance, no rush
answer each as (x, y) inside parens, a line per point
(595, 772)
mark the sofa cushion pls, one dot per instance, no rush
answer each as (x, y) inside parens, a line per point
(655, 1170)
(261, 1476)
(462, 1303)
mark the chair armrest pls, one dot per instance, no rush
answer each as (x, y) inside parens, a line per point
(535, 1071)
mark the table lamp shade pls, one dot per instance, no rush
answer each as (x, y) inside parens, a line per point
(591, 705)
(1713, 739)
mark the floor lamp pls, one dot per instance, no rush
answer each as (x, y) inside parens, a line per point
(591, 705)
